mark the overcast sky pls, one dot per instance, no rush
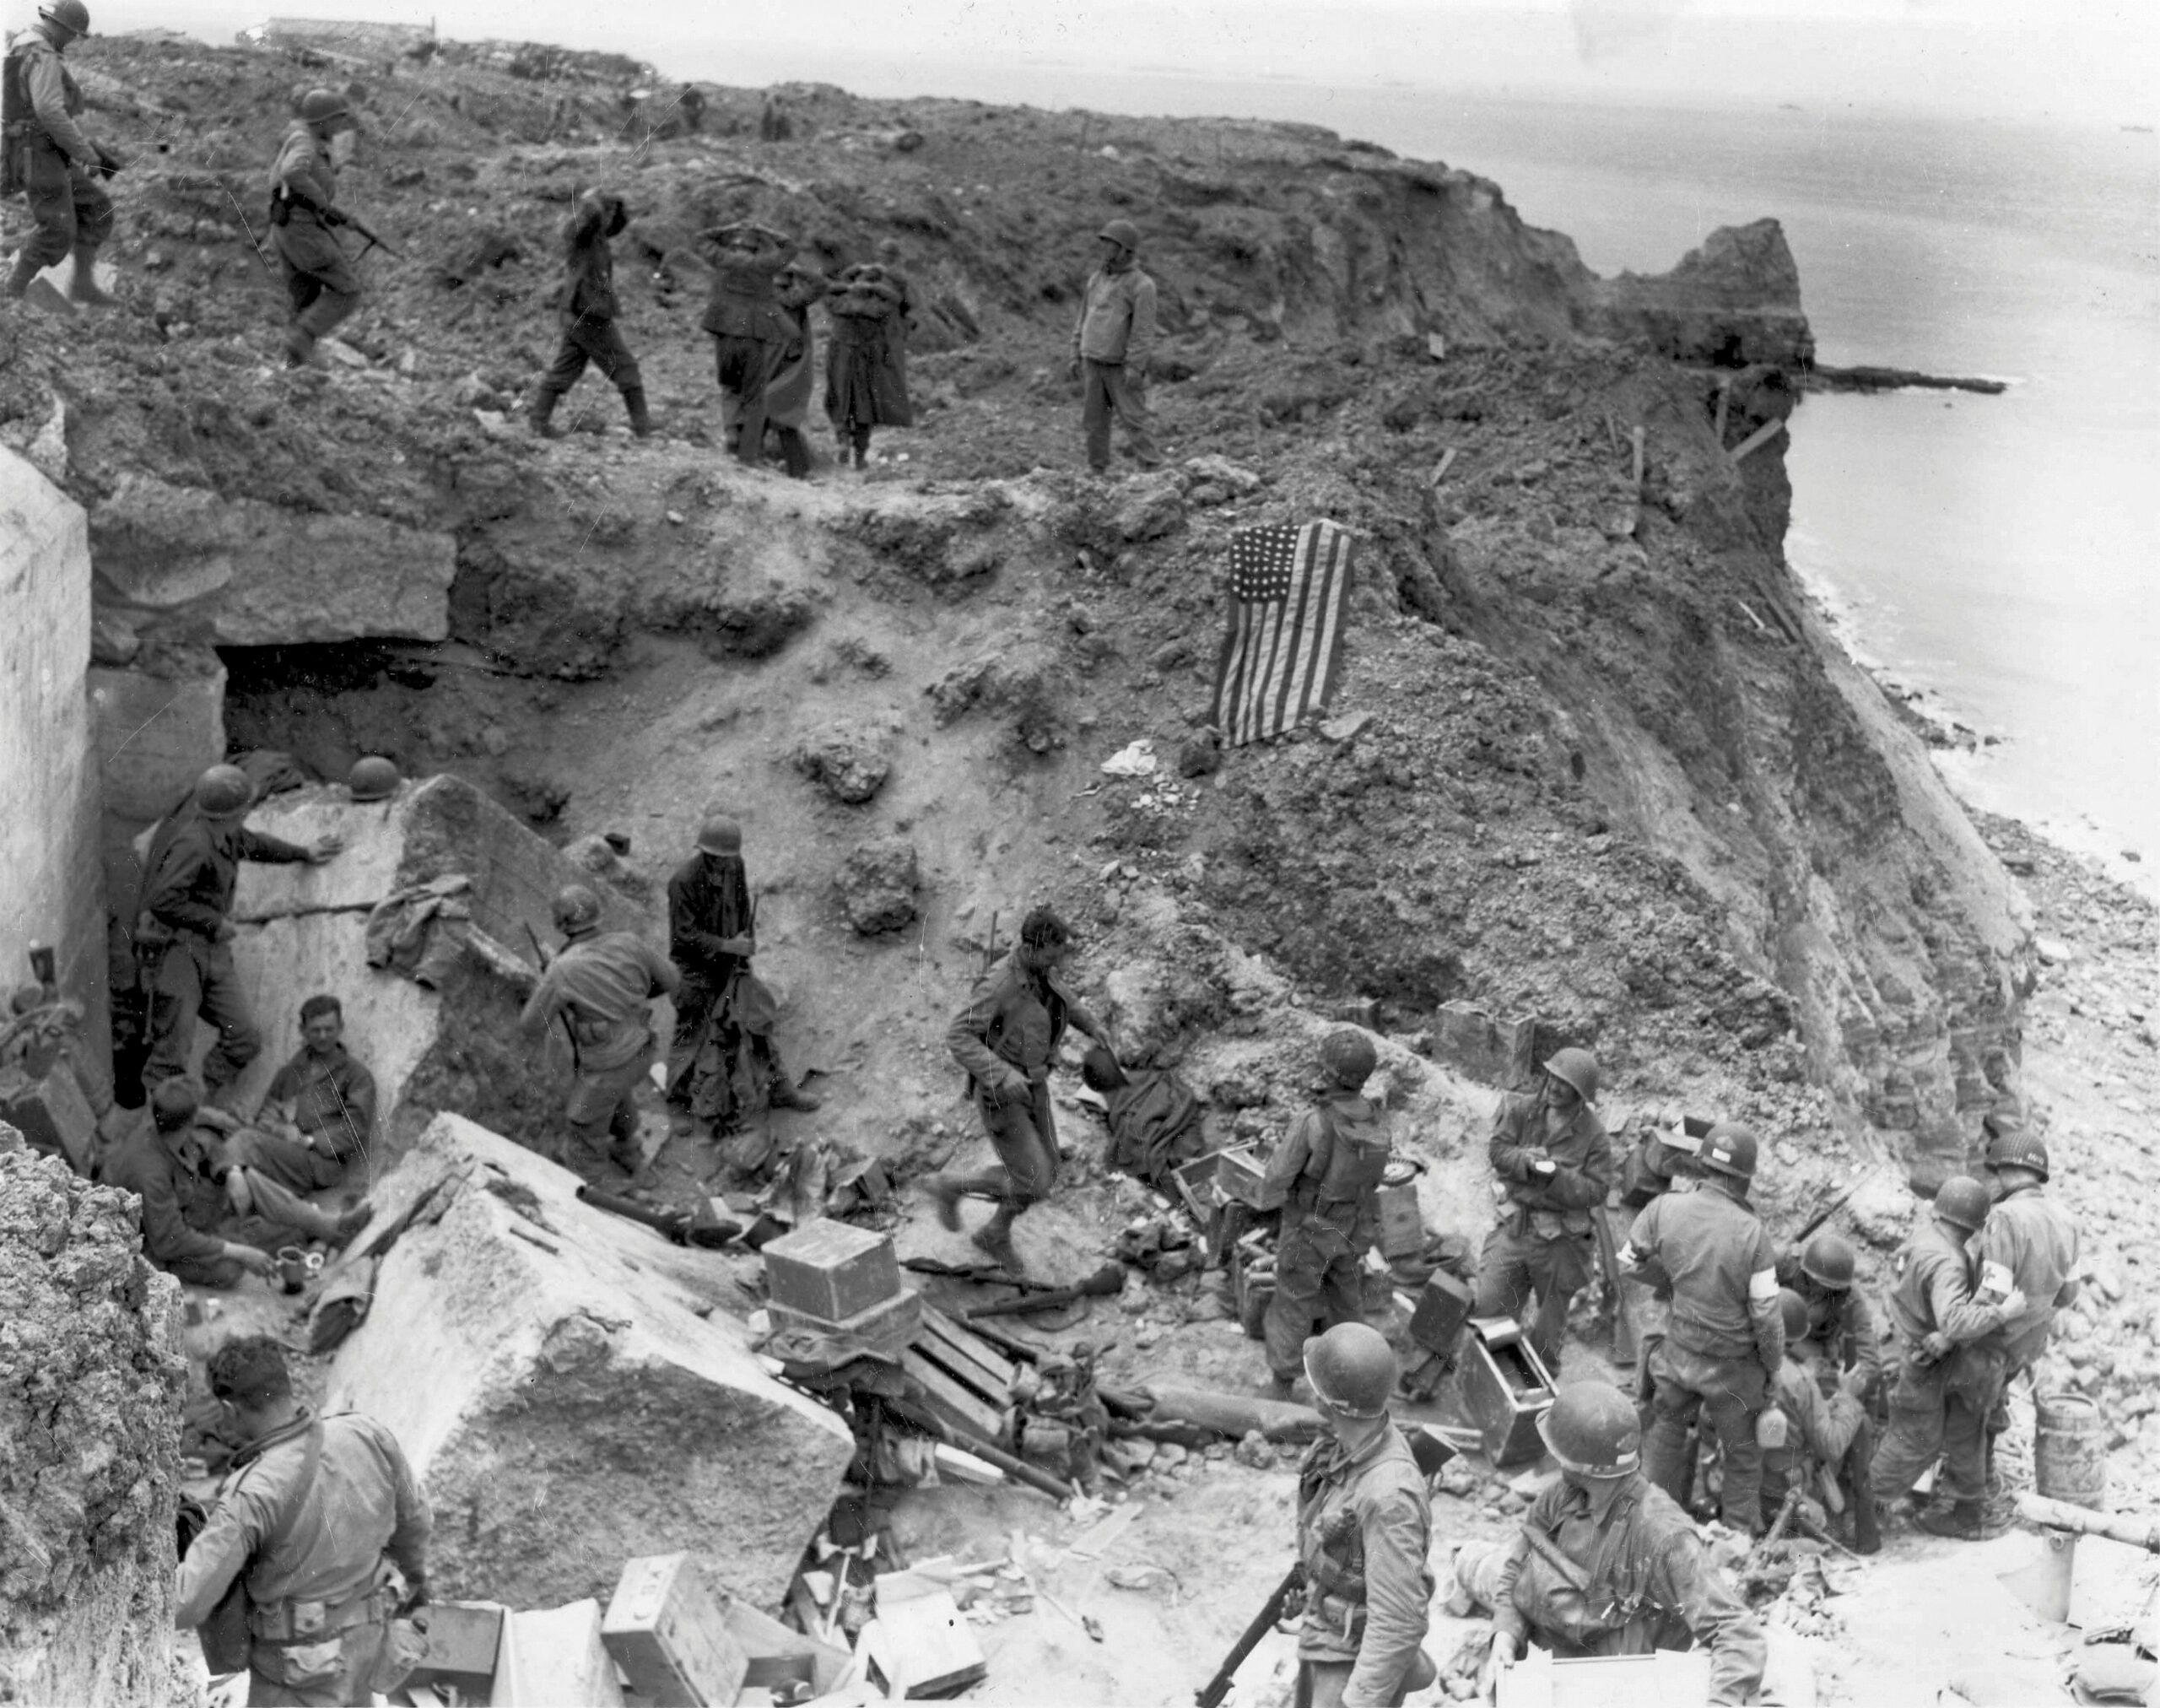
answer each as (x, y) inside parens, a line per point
(2097, 61)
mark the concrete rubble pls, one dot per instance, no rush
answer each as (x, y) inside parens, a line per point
(573, 1391)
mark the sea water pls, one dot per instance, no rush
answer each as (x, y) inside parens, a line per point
(1996, 556)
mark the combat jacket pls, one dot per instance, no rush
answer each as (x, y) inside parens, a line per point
(333, 1099)
(1364, 1527)
(1117, 319)
(708, 902)
(41, 98)
(589, 284)
(601, 985)
(1710, 1248)
(193, 864)
(361, 1506)
(745, 298)
(1824, 1424)
(1934, 1294)
(305, 176)
(1580, 1153)
(1329, 1170)
(182, 1201)
(1841, 1323)
(1640, 1579)
(2033, 1237)
(1015, 1021)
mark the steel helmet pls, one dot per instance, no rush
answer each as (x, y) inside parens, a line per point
(1794, 1309)
(1348, 1055)
(1121, 232)
(1729, 1148)
(1577, 1068)
(721, 835)
(2013, 1147)
(175, 1099)
(1962, 1201)
(68, 14)
(576, 908)
(373, 778)
(1351, 1368)
(224, 792)
(318, 106)
(1591, 1429)
(1829, 1260)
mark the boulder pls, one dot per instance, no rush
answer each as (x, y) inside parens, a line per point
(572, 1390)
(184, 564)
(91, 1386)
(876, 885)
(1149, 505)
(847, 760)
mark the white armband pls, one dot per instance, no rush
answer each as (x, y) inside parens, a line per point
(1762, 1287)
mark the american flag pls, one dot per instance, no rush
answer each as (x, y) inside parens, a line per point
(1284, 649)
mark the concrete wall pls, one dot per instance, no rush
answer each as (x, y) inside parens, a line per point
(54, 890)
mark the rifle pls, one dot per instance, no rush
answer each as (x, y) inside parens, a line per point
(1835, 1204)
(1211, 1694)
(337, 216)
(569, 1032)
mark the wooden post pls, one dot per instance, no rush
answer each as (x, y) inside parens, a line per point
(1441, 471)
(1635, 437)
(1756, 439)
(1724, 398)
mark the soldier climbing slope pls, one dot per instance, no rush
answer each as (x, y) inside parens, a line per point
(45, 156)
(320, 281)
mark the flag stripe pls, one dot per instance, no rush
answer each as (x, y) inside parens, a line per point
(1283, 647)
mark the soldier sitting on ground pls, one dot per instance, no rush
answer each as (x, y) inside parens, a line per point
(1827, 1448)
(318, 1116)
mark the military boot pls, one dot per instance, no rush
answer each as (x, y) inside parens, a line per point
(1963, 1521)
(641, 424)
(541, 416)
(993, 1240)
(83, 287)
(945, 1197)
(786, 1094)
(1867, 1531)
(300, 346)
(19, 276)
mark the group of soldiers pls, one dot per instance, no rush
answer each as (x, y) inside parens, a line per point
(758, 312)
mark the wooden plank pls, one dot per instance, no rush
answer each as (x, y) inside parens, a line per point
(968, 1358)
(947, 1400)
(1635, 438)
(1756, 439)
(963, 1337)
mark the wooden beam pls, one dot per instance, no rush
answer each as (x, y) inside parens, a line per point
(1725, 399)
(1635, 438)
(1756, 439)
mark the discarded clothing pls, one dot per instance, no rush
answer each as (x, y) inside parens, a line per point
(421, 931)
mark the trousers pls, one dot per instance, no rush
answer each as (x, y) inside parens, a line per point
(194, 976)
(319, 281)
(599, 343)
(68, 204)
(299, 1167)
(1314, 1292)
(1516, 1265)
(1726, 1395)
(745, 366)
(1106, 389)
(1929, 1420)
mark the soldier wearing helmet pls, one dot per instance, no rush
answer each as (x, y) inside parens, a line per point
(1950, 1363)
(1328, 1174)
(1607, 1563)
(589, 309)
(1553, 1166)
(2029, 1241)
(1842, 1333)
(1007, 1038)
(321, 286)
(183, 930)
(600, 987)
(1828, 1442)
(724, 1016)
(1364, 1529)
(1725, 1343)
(44, 155)
(1111, 342)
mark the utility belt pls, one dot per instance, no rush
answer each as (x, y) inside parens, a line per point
(311, 1621)
(1337, 1614)
(1527, 1221)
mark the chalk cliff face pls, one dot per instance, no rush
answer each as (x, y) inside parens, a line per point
(1610, 770)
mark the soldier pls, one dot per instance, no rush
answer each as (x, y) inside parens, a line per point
(319, 281)
(787, 393)
(1549, 1152)
(1605, 1563)
(44, 153)
(1827, 1434)
(318, 1116)
(1840, 1324)
(600, 983)
(1364, 1526)
(1007, 1038)
(1950, 1361)
(2030, 1241)
(865, 362)
(1724, 1341)
(191, 1196)
(183, 933)
(754, 337)
(322, 1520)
(588, 307)
(712, 933)
(1327, 1173)
(1111, 342)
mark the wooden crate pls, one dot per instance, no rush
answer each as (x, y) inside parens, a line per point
(1402, 1224)
(961, 1380)
(1443, 1306)
(1241, 1174)
(1505, 1388)
(886, 1327)
(831, 1271)
(664, 1629)
(464, 1644)
(1668, 1678)
(921, 1647)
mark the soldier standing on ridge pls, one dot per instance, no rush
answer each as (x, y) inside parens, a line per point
(1726, 1339)
(866, 364)
(320, 281)
(183, 933)
(1111, 342)
(754, 337)
(1551, 1154)
(588, 306)
(1949, 1374)
(1328, 1171)
(1007, 1038)
(44, 155)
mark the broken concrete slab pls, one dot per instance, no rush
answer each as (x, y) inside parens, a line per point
(301, 929)
(552, 1658)
(186, 565)
(573, 1391)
